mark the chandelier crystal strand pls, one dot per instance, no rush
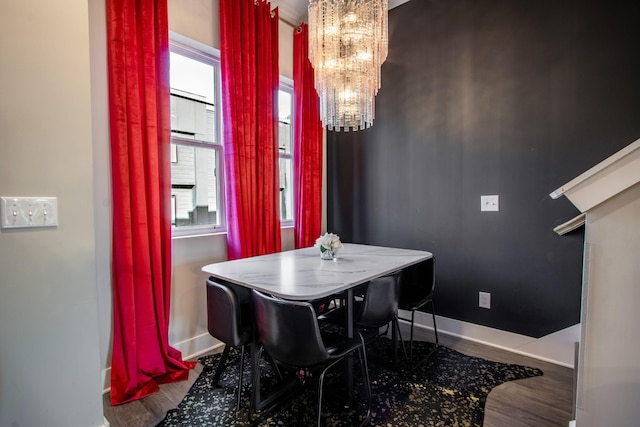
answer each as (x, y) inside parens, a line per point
(348, 42)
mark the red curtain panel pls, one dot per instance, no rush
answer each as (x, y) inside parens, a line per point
(250, 80)
(307, 140)
(138, 55)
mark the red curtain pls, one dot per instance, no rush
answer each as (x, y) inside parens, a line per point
(307, 140)
(138, 54)
(250, 80)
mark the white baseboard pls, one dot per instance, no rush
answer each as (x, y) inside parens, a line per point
(557, 348)
(190, 348)
(193, 347)
(106, 380)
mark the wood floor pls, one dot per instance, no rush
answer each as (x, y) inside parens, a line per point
(544, 401)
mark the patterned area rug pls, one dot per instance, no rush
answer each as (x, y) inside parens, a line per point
(450, 389)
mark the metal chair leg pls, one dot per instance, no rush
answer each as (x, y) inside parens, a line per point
(256, 351)
(240, 375)
(396, 323)
(221, 364)
(367, 381)
(435, 328)
(413, 314)
(320, 390)
(275, 367)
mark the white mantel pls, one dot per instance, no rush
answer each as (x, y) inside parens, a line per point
(603, 181)
(608, 194)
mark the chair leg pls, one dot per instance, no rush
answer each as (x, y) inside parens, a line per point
(326, 369)
(256, 352)
(367, 381)
(413, 314)
(221, 364)
(320, 389)
(396, 323)
(240, 375)
(435, 328)
(275, 366)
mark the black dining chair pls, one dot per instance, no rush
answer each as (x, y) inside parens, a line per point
(230, 320)
(376, 308)
(289, 332)
(417, 288)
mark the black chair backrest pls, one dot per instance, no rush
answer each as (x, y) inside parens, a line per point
(289, 331)
(417, 283)
(224, 314)
(380, 303)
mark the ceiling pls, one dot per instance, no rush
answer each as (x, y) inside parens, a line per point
(295, 11)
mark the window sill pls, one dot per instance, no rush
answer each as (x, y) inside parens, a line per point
(187, 233)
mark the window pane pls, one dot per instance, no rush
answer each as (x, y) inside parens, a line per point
(286, 189)
(194, 186)
(285, 111)
(284, 117)
(174, 153)
(192, 99)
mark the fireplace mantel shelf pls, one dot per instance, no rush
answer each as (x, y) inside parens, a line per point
(603, 181)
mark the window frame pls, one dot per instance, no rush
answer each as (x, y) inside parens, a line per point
(286, 85)
(187, 47)
(201, 52)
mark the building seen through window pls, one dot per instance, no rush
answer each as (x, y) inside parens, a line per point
(195, 139)
(285, 119)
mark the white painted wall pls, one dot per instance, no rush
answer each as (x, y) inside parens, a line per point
(199, 20)
(49, 335)
(609, 365)
(196, 19)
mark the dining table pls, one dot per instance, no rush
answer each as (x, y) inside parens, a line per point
(302, 275)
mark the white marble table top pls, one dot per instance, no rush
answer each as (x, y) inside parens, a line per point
(301, 275)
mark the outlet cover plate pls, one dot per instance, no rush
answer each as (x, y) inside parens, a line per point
(484, 300)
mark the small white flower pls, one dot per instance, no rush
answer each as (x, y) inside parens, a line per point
(335, 241)
(328, 241)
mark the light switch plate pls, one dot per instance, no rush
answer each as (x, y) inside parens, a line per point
(28, 212)
(489, 203)
(484, 300)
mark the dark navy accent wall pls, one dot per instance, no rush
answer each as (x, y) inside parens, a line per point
(484, 97)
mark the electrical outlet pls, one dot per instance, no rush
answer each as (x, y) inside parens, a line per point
(484, 300)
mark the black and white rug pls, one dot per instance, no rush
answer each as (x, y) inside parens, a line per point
(450, 389)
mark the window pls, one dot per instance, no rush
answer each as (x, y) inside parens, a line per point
(285, 136)
(196, 145)
(197, 179)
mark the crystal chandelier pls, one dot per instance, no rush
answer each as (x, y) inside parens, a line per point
(348, 43)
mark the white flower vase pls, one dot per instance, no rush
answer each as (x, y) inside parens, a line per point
(328, 254)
